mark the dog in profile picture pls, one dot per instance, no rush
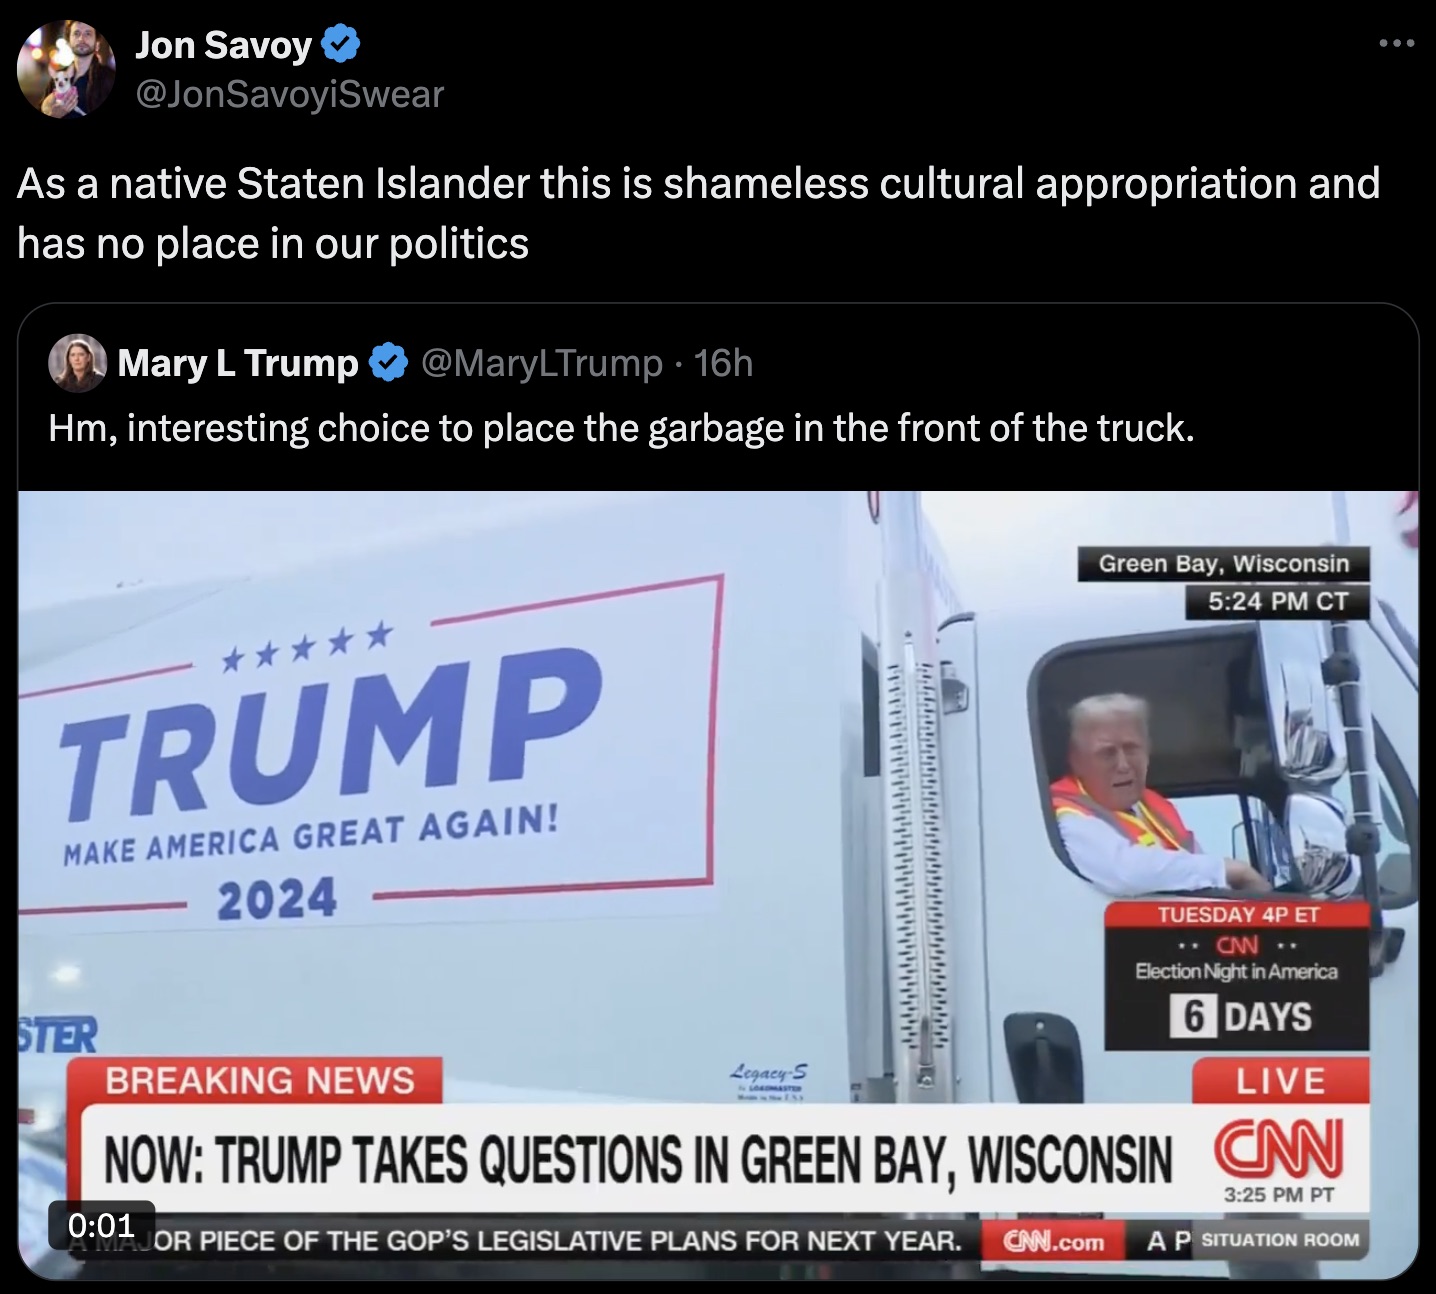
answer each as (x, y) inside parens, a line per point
(62, 83)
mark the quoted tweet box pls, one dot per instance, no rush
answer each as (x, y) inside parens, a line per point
(1248, 976)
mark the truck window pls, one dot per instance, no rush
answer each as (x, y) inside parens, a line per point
(1216, 821)
(1207, 746)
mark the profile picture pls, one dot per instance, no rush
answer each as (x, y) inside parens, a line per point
(66, 70)
(78, 362)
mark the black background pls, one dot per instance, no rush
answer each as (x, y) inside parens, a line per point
(1138, 1018)
(1284, 397)
(1309, 397)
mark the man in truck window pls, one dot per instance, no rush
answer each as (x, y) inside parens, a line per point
(1120, 835)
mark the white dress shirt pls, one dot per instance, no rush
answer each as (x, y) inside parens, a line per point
(1117, 866)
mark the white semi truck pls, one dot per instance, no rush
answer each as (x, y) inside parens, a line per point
(659, 798)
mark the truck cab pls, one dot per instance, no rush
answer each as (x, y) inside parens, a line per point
(1028, 928)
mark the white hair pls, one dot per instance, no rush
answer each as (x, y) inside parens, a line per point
(1110, 705)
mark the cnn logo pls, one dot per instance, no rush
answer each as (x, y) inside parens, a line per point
(1259, 1147)
(1027, 1242)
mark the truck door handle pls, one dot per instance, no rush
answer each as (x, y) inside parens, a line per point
(1045, 1055)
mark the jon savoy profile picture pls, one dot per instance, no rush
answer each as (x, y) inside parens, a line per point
(66, 70)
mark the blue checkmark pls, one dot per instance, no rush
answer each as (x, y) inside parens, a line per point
(388, 361)
(339, 43)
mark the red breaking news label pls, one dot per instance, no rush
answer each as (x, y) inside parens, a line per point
(1283, 914)
(1290, 1080)
(241, 1080)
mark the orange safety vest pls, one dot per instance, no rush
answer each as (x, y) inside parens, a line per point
(1153, 821)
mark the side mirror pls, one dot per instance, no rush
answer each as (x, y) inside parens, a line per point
(1310, 743)
(1316, 834)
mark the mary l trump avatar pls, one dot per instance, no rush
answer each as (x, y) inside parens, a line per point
(77, 363)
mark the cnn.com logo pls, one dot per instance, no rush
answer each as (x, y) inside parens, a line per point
(1259, 1148)
(1039, 1240)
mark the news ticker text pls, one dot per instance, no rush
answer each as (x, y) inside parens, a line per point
(1271, 976)
(355, 1238)
(1276, 565)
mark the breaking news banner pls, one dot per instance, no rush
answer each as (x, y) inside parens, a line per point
(1278, 601)
(1327, 565)
(222, 1136)
(444, 1237)
(1258, 976)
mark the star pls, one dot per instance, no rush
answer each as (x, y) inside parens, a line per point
(301, 648)
(340, 642)
(231, 662)
(377, 637)
(266, 654)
